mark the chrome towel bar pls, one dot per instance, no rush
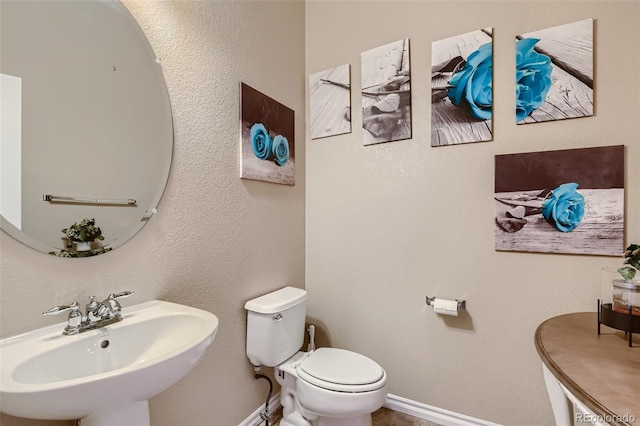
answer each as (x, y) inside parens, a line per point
(87, 200)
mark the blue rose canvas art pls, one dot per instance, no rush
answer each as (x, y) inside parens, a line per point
(260, 141)
(533, 77)
(554, 73)
(385, 73)
(564, 207)
(472, 85)
(266, 138)
(462, 88)
(566, 201)
(280, 150)
(330, 102)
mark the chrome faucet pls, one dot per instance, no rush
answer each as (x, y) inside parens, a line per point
(97, 314)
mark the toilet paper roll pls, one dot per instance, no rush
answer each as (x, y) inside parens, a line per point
(445, 307)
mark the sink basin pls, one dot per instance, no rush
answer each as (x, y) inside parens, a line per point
(109, 372)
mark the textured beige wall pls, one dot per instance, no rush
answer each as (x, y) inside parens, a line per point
(217, 240)
(384, 223)
(387, 225)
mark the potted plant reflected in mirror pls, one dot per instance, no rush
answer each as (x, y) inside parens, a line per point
(82, 240)
(626, 291)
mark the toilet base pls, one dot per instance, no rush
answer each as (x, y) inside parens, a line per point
(364, 420)
(305, 404)
(292, 412)
(295, 419)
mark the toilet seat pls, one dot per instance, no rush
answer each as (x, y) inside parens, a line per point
(341, 370)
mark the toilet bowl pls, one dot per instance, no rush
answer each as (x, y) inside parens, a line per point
(323, 387)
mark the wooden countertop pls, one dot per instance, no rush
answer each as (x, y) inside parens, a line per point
(602, 371)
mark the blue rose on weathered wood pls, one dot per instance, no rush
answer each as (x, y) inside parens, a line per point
(472, 85)
(564, 207)
(533, 77)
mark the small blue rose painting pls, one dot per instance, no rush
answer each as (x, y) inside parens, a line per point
(554, 73)
(462, 88)
(266, 138)
(566, 201)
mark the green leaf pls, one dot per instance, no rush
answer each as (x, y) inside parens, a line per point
(627, 272)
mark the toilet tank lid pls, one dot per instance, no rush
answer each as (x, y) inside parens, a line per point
(276, 301)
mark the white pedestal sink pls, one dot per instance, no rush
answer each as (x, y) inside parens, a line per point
(107, 373)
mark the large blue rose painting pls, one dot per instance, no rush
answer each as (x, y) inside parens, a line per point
(566, 201)
(266, 133)
(462, 88)
(554, 73)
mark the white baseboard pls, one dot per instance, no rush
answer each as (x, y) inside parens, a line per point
(395, 403)
(432, 414)
(254, 419)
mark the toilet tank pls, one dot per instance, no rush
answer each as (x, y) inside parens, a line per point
(275, 326)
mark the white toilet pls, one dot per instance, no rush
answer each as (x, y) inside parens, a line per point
(323, 387)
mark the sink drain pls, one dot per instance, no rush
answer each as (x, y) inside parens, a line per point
(104, 344)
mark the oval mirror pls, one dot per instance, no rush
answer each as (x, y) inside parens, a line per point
(86, 129)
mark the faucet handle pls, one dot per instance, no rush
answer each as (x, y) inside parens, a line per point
(60, 309)
(122, 294)
(114, 307)
(75, 317)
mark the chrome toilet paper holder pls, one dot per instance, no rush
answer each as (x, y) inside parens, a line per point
(462, 304)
